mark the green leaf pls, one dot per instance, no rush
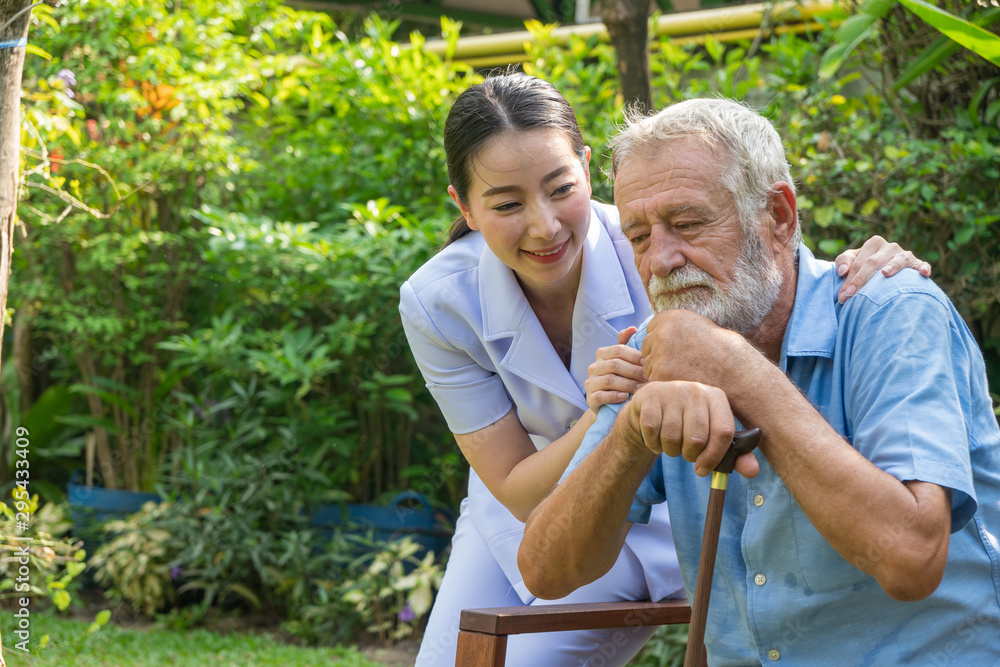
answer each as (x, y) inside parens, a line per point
(928, 59)
(981, 93)
(969, 35)
(40, 419)
(260, 99)
(245, 593)
(35, 51)
(61, 599)
(824, 215)
(853, 31)
(845, 206)
(831, 247)
(714, 48)
(964, 235)
(103, 617)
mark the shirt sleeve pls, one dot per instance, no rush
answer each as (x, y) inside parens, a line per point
(470, 397)
(908, 391)
(651, 491)
(595, 435)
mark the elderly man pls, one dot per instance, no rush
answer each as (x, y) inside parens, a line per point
(866, 531)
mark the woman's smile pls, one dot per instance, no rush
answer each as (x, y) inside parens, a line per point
(551, 255)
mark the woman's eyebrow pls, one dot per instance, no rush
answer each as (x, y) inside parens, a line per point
(502, 189)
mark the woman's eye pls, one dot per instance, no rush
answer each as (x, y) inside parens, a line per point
(509, 206)
(563, 190)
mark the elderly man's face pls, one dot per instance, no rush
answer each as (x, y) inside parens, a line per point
(689, 246)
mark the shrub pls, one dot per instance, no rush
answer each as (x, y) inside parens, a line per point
(53, 561)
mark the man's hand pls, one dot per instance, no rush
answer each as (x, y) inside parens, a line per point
(685, 419)
(682, 345)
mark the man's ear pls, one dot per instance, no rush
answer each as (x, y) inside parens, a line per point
(463, 207)
(784, 213)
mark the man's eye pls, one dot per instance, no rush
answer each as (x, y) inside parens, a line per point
(637, 239)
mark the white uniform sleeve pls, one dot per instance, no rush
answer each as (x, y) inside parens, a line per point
(470, 397)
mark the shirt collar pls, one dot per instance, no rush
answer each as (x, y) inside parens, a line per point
(812, 329)
(603, 289)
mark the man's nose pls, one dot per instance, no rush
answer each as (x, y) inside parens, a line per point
(664, 252)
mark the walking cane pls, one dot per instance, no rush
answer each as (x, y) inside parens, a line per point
(745, 441)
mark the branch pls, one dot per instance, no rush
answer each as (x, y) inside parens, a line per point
(14, 17)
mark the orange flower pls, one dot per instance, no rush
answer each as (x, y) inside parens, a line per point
(160, 97)
(55, 158)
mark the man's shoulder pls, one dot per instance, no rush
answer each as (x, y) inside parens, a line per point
(882, 290)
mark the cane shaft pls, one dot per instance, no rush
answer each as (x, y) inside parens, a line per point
(694, 656)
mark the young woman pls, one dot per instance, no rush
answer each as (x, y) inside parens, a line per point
(505, 324)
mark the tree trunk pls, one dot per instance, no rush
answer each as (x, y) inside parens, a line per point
(11, 64)
(628, 26)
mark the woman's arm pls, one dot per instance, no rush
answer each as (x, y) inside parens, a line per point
(517, 474)
(503, 456)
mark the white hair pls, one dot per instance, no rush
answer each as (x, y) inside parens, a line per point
(748, 142)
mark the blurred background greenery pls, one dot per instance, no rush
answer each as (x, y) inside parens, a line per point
(221, 199)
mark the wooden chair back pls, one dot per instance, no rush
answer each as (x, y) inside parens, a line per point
(482, 636)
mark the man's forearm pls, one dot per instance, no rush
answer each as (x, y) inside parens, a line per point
(895, 532)
(575, 535)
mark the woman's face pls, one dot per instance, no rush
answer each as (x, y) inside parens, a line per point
(529, 196)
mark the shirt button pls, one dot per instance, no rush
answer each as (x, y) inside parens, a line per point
(758, 500)
(760, 580)
(773, 654)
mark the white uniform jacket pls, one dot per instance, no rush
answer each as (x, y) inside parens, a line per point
(481, 349)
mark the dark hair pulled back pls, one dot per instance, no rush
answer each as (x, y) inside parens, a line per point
(511, 101)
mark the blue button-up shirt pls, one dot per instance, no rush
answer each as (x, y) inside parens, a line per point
(897, 373)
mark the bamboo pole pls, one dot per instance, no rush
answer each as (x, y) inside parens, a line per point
(724, 24)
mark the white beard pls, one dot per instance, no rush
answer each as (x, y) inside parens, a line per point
(741, 307)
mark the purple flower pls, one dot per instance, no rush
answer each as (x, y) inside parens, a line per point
(406, 614)
(176, 572)
(67, 77)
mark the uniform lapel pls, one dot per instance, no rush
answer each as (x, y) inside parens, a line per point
(507, 316)
(603, 305)
(602, 308)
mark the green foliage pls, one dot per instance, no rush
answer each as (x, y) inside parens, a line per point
(53, 560)
(395, 590)
(285, 355)
(127, 124)
(219, 207)
(861, 26)
(245, 539)
(664, 649)
(134, 565)
(342, 119)
(385, 589)
(185, 107)
(585, 72)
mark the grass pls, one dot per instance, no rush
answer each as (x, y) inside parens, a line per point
(117, 645)
(114, 645)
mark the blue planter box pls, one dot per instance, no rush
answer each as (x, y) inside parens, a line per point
(407, 515)
(90, 506)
